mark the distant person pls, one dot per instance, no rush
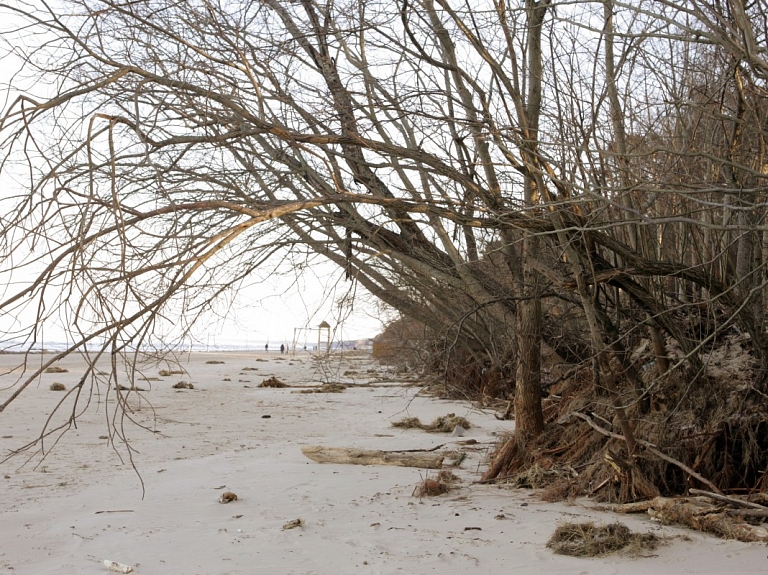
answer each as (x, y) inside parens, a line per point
(266, 347)
(282, 348)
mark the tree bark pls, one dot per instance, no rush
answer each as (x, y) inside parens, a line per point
(529, 418)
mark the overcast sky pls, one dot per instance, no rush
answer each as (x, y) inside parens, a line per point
(269, 309)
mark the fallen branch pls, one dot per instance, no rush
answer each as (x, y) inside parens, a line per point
(726, 499)
(763, 513)
(354, 456)
(698, 513)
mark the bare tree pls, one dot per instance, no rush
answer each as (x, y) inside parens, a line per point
(507, 175)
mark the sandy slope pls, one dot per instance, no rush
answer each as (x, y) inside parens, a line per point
(80, 505)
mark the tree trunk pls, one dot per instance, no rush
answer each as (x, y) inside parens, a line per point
(529, 418)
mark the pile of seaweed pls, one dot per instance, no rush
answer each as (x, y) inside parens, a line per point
(590, 540)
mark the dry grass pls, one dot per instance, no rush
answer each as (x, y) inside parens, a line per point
(409, 423)
(56, 369)
(58, 387)
(326, 388)
(457, 457)
(214, 362)
(228, 497)
(443, 424)
(433, 486)
(272, 382)
(183, 385)
(170, 372)
(590, 540)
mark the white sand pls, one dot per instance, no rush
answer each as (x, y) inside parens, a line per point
(80, 505)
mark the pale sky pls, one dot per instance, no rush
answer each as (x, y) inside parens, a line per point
(269, 310)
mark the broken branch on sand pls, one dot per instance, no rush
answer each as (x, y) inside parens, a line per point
(697, 513)
(725, 499)
(354, 456)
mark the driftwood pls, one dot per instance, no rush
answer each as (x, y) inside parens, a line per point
(761, 513)
(726, 499)
(698, 513)
(356, 456)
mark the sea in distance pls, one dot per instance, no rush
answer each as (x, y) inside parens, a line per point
(15, 346)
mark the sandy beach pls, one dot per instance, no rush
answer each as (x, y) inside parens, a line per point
(84, 502)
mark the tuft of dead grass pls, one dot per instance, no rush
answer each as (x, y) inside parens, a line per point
(272, 382)
(433, 486)
(214, 362)
(56, 369)
(443, 424)
(409, 423)
(170, 372)
(590, 540)
(183, 385)
(326, 388)
(58, 387)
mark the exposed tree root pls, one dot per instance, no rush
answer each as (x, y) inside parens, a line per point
(713, 436)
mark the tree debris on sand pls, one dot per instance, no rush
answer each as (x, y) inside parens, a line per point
(711, 435)
(170, 372)
(590, 540)
(214, 362)
(432, 486)
(293, 524)
(56, 369)
(183, 385)
(228, 497)
(58, 387)
(701, 514)
(325, 388)
(354, 456)
(272, 382)
(443, 424)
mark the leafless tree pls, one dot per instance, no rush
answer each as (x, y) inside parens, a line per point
(479, 167)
